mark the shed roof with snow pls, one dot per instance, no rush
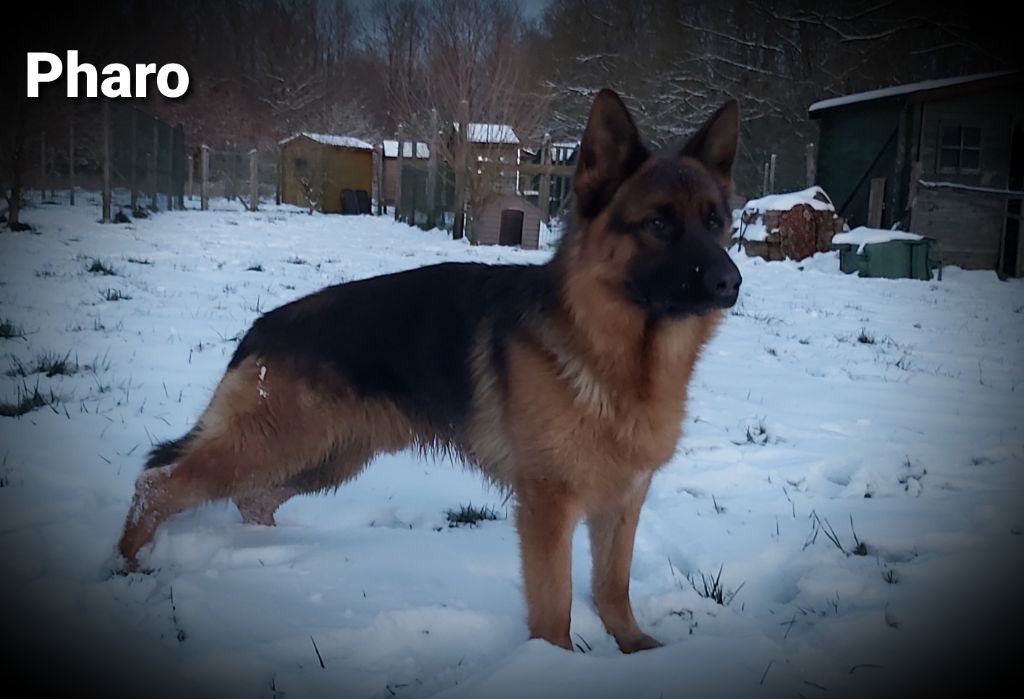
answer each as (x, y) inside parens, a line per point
(330, 140)
(491, 134)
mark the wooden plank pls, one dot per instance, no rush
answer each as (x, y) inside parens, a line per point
(942, 214)
(875, 200)
(812, 165)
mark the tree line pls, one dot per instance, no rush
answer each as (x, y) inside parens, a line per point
(262, 70)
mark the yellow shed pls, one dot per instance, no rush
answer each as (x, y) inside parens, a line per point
(318, 168)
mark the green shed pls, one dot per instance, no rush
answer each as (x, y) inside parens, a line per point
(942, 158)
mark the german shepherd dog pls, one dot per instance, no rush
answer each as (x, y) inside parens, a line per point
(565, 382)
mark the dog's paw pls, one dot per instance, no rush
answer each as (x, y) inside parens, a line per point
(120, 566)
(637, 643)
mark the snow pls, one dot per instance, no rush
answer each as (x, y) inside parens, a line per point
(888, 408)
(814, 197)
(900, 90)
(862, 235)
(332, 140)
(755, 230)
(391, 150)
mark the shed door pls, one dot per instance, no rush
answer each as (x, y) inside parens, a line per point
(511, 232)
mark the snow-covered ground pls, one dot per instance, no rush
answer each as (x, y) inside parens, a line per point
(885, 414)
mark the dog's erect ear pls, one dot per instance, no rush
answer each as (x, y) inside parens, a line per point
(715, 144)
(610, 152)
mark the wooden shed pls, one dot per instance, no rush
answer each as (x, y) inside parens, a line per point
(316, 169)
(495, 147)
(942, 158)
(506, 219)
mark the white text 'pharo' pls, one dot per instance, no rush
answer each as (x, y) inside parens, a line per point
(113, 80)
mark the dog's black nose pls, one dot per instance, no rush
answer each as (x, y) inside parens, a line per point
(723, 284)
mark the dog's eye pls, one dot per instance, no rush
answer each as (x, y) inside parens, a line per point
(714, 220)
(657, 225)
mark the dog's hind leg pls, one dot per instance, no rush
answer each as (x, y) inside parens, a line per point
(612, 531)
(200, 476)
(259, 507)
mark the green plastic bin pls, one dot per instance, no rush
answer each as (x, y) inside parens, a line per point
(895, 259)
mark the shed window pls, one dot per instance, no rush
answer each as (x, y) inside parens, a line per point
(960, 148)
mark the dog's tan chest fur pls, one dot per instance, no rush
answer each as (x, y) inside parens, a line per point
(600, 425)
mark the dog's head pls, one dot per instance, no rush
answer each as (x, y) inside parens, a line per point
(656, 223)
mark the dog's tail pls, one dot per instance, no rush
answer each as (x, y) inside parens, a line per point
(168, 452)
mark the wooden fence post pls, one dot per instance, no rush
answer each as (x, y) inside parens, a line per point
(42, 166)
(431, 171)
(378, 172)
(280, 178)
(461, 166)
(398, 180)
(153, 156)
(169, 164)
(544, 195)
(254, 184)
(106, 161)
(71, 160)
(204, 181)
(134, 160)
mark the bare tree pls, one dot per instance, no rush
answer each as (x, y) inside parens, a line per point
(397, 37)
(465, 62)
(675, 62)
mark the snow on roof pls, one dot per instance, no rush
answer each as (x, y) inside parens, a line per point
(814, 197)
(900, 90)
(862, 236)
(332, 140)
(391, 150)
(491, 133)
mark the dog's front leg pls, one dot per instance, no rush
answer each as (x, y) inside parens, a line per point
(612, 530)
(546, 515)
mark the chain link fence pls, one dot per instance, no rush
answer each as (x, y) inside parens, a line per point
(414, 206)
(133, 159)
(231, 172)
